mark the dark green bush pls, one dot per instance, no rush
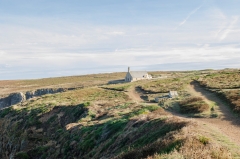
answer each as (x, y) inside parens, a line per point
(21, 155)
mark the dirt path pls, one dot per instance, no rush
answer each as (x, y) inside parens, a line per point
(225, 129)
(134, 95)
(227, 123)
(196, 90)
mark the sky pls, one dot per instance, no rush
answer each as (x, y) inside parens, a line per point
(42, 38)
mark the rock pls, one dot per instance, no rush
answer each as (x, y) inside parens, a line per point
(29, 94)
(5, 102)
(17, 98)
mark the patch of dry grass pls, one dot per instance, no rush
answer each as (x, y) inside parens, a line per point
(10, 86)
(183, 143)
(233, 98)
(225, 83)
(163, 85)
(193, 105)
(221, 80)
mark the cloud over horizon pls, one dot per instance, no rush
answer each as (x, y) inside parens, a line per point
(69, 39)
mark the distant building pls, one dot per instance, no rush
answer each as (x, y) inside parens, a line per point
(173, 94)
(136, 75)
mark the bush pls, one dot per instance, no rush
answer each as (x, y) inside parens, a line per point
(86, 104)
(162, 85)
(152, 108)
(233, 98)
(203, 140)
(221, 80)
(5, 112)
(21, 155)
(193, 105)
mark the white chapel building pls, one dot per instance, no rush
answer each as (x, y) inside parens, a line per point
(136, 75)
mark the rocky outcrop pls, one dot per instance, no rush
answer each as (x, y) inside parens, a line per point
(40, 92)
(12, 99)
(5, 102)
(19, 97)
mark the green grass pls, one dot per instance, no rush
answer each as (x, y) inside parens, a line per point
(142, 110)
(154, 135)
(5, 112)
(203, 140)
(89, 136)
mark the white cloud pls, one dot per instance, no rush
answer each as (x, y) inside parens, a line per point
(229, 28)
(63, 46)
(224, 24)
(68, 62)
(189, 15)
(140, 56)
(220, 19)
(116, 33)
(2, 53)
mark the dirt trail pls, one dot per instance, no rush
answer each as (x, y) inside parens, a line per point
(134, 95)
(227, 123)
(225, 128)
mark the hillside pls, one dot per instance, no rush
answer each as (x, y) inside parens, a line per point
(10, 86)
(93, 118)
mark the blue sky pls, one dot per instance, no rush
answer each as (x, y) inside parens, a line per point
(42, 38)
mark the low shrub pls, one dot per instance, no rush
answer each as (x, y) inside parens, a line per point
(86, 104)
(233, 97)
(221, 80)
(5, 111)
(204, 140)
(21, 155)
(152, 108)
(193, 105)
(162, 85)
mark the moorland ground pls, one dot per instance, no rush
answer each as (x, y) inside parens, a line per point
(101, 120)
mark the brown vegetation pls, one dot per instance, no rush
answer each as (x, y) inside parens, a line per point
(226, 84)
(233, 97)
(7, 86)
(193, 105)
(183, 143)
(94, 122)
(221, 80)
(163, 85)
